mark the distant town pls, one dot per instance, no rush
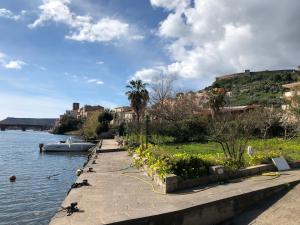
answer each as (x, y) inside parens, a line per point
(199, 99)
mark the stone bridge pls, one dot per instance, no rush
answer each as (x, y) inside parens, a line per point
(27, 123)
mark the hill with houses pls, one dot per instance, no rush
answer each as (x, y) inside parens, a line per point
(261, 87)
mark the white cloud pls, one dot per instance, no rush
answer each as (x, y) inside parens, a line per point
(82, 28)
(100, 62)
(148, 75)
(86, 79)
(104, 30)
(5, 13)
(171, 4)
(56, 10)
(137, 37)
(209, 38)
(15, 64)
(7, 63)
(95, 81)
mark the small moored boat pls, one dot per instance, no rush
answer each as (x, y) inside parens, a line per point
(70, 145)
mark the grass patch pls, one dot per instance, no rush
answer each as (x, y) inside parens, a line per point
(192, 148)
(290, 148)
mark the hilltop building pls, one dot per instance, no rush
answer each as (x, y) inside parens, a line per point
(248, 73)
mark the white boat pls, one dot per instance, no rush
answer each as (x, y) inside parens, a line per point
(70, 145)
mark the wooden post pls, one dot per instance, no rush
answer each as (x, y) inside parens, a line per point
(147, 130)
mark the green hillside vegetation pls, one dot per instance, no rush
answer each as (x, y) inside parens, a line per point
(263, 88)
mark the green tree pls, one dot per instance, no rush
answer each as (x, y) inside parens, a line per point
(102, 128)
(68, 123)
(106, 115)
(138, 97)
(90, 125)
(104, 119)
(233, 132)
(122, 129)
(216, 99)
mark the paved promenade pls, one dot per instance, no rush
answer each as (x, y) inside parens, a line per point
(109, 145)
(119, 192)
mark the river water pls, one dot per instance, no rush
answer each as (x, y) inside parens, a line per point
(33, 198)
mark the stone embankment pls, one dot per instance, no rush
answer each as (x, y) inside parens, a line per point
(120, 194)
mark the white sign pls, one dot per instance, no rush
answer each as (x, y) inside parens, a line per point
(281, 163)
(250, 151)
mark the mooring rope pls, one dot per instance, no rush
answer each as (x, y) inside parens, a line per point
(146, 182)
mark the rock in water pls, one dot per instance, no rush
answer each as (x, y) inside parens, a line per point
(13, 178)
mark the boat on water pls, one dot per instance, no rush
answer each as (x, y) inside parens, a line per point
(70, 145)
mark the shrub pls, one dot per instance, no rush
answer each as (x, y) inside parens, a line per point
(182, 164)
(105, 116)
(188, 166)
(101, 128)
(265, 157)
(67, 123)
(193, 129)
(122, 129)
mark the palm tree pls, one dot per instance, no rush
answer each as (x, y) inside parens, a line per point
(138, 97)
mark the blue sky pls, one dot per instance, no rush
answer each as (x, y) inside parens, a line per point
(55, 52)
(57, 71)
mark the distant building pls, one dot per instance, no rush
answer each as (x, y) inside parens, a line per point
(293, 95)
(71, 113)
(231, 109)
(124, 114)
(76, 106)
(80, 113)
(199, 99)
(87, 110)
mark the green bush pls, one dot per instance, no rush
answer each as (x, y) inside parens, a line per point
(188, 166)
(187, 130)
(104, 119)
(105, 116)
(182, 164)
(122, 129)
(265, 157)
(67, 123)
(102, 127)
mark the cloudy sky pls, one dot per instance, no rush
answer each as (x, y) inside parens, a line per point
(55, 52)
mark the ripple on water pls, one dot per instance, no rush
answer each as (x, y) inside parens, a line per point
(33, 198)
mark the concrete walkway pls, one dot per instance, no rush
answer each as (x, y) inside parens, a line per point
(109, 145)
(121, 193)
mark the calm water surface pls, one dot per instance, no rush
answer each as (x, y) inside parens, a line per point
(33, 198)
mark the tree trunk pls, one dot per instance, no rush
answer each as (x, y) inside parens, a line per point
(265, 133)
(285, 133)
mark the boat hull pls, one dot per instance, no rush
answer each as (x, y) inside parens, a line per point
(64, 147)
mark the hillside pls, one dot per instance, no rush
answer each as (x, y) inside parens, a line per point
(264, 87)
